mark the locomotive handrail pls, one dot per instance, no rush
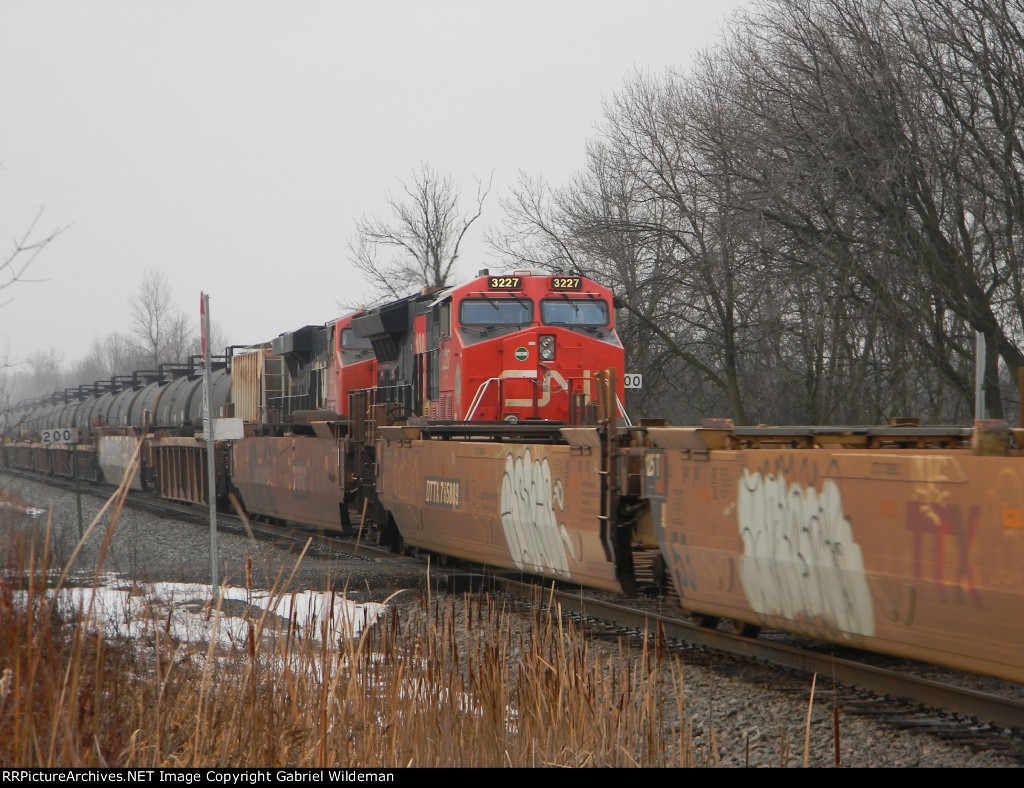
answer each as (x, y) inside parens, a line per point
(622, 411)
(565, 387)
(479, 396)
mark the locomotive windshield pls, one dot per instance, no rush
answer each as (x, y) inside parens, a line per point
(574, 312)
(496, 311)
(349, 341)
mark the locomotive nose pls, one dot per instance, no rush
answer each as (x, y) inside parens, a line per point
(520, 376)
(541, 367)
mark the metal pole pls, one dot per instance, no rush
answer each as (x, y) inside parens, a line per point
(979, 375)
(78, 487)
(204, 309)
(1020, 396)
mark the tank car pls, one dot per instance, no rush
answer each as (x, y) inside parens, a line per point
(155, 414)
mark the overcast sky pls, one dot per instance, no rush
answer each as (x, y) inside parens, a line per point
(232, 145)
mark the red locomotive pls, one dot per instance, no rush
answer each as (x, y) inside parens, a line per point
(519, 346)
(311, 369)
(352, 365)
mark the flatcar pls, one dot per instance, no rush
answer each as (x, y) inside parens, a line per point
(906, 540)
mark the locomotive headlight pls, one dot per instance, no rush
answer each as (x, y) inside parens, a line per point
(547, 347)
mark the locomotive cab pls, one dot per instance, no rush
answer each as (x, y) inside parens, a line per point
(352, 367)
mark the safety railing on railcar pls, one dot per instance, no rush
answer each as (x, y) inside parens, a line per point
(378, 406)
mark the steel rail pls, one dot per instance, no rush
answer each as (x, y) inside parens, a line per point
(356, 547)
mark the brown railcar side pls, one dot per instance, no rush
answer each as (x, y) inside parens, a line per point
(532, 507)
(909, 551)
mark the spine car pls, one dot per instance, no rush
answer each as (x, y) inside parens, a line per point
(485, 422)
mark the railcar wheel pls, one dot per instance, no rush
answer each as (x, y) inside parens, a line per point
(707, 622)
(388, 534)
(745, 630)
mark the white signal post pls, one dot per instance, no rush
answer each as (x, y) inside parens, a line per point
(204, 315)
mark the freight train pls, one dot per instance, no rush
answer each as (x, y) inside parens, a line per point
(485, 422)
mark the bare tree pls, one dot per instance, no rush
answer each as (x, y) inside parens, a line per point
(162, 331)
(24, 251)
(92, 366)
(46, 373)
(652, 216)
(120, 356)
(890, 137)
(114, 354)
(419, 244)
(813, 222)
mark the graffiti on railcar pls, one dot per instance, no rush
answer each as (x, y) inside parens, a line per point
(937, 524)
(679, 553)
(537, 540)
(800, 559)
(930, 524)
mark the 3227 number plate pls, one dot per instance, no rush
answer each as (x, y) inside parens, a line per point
(505, 282)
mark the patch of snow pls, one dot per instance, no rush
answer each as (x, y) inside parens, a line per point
(183, 611)
(31, 511)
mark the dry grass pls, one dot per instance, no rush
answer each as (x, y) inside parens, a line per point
(434, 683)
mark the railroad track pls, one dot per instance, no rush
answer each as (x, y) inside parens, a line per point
(967, 716)
(351, 547)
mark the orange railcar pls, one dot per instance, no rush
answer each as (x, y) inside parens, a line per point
(905, 541)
